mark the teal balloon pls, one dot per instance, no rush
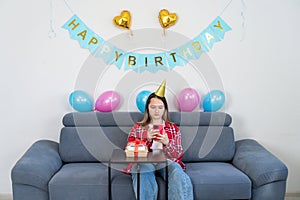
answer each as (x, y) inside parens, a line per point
(213, 101)
(81, 101)
(141, 100)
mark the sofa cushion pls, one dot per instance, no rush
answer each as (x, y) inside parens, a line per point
(80, 181)
(92, 119)
(201, 118)
(90, 181)
(218, 180)
(91, 136)
(91, 144)
(203, 143)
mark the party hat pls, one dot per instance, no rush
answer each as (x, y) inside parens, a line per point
(161, 90)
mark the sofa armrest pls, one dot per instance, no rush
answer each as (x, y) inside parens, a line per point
(260, 165)
(37, 166)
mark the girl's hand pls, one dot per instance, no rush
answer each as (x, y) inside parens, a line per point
(152, 134)
(163, 138)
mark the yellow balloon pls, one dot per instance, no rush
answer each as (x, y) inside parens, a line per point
(167, 19)
(123, 20)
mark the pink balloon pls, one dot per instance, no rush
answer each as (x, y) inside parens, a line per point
(108, 101)
(188, 99)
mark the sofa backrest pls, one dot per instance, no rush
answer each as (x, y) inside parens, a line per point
(92, 136)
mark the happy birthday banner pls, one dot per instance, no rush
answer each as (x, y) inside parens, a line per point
(146, 62)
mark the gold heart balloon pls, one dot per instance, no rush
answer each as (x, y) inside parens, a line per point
(124, 20)
(167, 19)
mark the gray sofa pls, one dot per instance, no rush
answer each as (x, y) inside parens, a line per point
(75, 168)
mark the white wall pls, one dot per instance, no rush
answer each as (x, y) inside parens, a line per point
(257, 64)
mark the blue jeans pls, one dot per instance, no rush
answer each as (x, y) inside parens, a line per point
(180, 185)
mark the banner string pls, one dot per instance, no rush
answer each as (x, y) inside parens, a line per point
(228, 4)
(189, 51)
(243, 15)
(224, 9)
(68, 6)
(51, 33)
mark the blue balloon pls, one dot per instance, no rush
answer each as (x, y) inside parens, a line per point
(213, 101)
(81, 101)
(141, 100)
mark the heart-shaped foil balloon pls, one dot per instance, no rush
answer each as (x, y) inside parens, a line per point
(124, 20)
(167, 19)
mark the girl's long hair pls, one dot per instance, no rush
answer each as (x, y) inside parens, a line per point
(147, 119)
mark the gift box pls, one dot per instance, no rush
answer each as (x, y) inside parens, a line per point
(136, 148)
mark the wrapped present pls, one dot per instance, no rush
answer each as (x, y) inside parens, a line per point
(136, 148)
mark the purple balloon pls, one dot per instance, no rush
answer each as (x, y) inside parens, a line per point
(108, 101)
(188, 99)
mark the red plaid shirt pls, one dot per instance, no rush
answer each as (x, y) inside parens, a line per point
(173, 150)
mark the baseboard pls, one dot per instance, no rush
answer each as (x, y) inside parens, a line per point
(6, 197)
(292, 194)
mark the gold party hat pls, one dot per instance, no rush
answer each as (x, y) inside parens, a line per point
(161, 90)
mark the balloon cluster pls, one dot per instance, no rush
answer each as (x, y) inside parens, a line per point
(188, 99)
(106, 102)
(166, 19)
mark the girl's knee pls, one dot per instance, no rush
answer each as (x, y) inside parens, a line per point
(175, 168)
